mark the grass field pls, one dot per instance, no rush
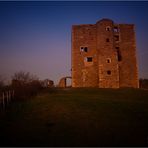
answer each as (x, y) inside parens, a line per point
(78, 117)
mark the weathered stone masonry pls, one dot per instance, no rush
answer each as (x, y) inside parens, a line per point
(104, 55)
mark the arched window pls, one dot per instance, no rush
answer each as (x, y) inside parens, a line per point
(108, 60)
(108, 28)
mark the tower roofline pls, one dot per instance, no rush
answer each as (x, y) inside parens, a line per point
(104, 19)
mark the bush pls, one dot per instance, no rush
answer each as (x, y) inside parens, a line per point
(143, 83)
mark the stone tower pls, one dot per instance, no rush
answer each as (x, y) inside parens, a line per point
(104, 55)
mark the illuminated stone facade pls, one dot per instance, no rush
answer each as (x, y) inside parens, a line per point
(104, 55)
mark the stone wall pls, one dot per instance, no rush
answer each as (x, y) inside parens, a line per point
(63, 82)
(104, 55)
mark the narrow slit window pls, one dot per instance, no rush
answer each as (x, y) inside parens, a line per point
(119, 55)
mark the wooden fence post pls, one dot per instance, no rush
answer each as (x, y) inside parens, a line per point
(12, 93)
(7, 97)
(3, 100)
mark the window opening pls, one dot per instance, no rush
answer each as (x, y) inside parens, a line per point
(116, 37)
(109, 72)
(83, 49)
(115, 29)
(107, 40)
(108, 28)
(119, 55)
(88, 59)
(108, 60)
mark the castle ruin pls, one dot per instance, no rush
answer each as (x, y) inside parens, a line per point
(104, 55)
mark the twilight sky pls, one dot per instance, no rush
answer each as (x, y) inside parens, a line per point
(36, 36)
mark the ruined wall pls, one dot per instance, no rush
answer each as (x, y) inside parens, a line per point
(104, 55)
(63, 82)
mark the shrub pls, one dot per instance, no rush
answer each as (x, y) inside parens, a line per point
(25, 85)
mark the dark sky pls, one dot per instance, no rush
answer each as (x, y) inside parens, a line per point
(36, 36)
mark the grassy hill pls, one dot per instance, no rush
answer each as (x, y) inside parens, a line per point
(78, 117)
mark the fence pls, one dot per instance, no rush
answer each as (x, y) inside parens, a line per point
(6, 97)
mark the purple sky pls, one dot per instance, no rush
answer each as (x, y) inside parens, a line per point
(36, 36)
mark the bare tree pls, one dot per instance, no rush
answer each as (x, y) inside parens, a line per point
(25, 84)
(1, 81)
(24, 77)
